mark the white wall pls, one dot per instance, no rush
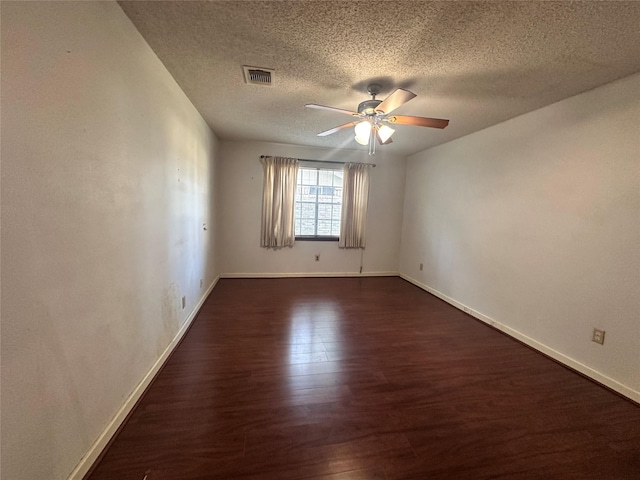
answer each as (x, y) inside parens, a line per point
(241, 207)
(106, 184)
(535, 224)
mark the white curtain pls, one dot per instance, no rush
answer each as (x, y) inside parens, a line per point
(355, 197)
(278, 202)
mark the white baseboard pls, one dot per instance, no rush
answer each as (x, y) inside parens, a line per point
(309, 275)
(103, 440)
(560, 357)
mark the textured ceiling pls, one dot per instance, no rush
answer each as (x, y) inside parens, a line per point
(475, 63)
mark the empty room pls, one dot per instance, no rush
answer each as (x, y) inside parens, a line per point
(320, 240)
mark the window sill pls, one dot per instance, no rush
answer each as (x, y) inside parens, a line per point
(317, 239)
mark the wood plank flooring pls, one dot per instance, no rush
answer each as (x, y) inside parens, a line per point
(365, 378)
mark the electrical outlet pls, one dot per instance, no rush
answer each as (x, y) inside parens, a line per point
(598, 336)
(184, 302)
(317, 257)
(421, 267)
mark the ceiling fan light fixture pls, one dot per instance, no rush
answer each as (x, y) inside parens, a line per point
(385, 132)
(374, 116)
(361, 141)
(363, 132)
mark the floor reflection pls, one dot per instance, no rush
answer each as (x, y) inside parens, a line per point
(312, 327)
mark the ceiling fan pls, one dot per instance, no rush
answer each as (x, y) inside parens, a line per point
(374, 117)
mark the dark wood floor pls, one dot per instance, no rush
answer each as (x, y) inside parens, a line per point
(366, 378)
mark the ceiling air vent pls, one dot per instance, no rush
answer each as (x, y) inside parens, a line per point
(258, 76)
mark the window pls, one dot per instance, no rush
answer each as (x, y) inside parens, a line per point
(318, 206)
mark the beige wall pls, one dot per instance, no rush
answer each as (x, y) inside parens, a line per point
(107, 173)
(534, 224)
(241, 207)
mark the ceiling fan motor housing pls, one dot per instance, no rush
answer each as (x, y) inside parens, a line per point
(368, 107)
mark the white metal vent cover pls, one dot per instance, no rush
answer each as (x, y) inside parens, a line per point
(258, 76)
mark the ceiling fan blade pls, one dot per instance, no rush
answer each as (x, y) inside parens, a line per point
(334, 130)
(331, 109)
(389, 140)
(418, 121)
(399, 97)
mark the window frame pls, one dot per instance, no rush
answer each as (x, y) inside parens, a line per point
(320, 238)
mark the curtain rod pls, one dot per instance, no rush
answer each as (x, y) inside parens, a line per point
(325, 161)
